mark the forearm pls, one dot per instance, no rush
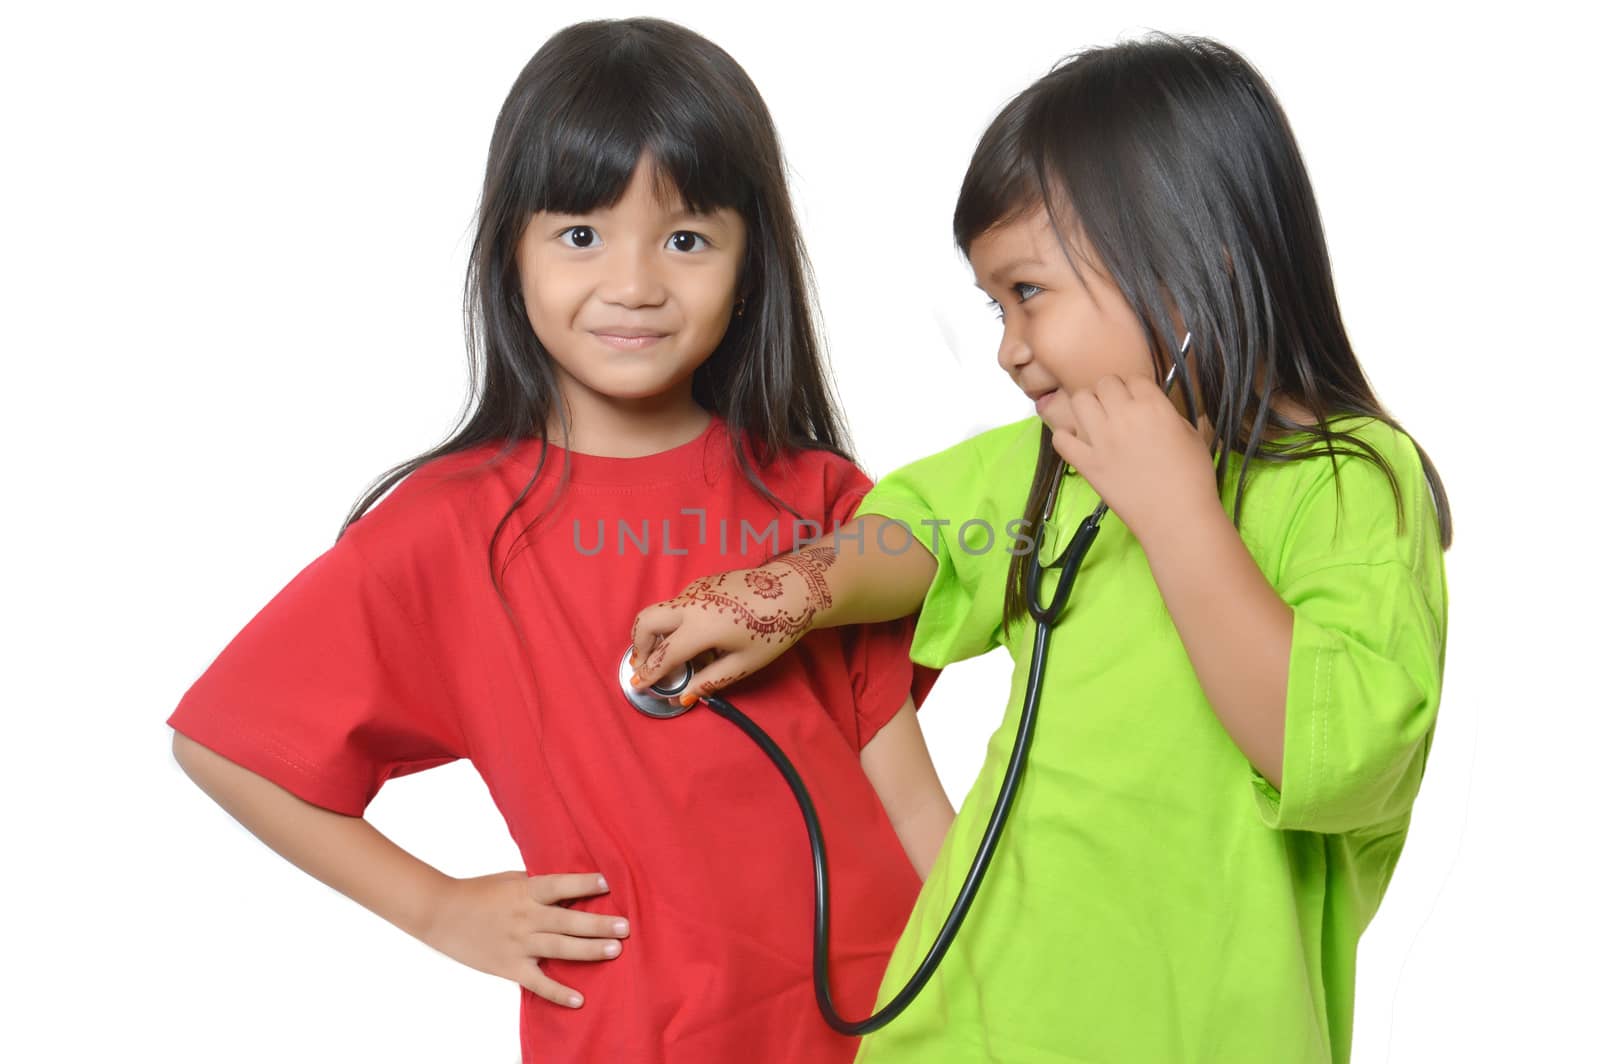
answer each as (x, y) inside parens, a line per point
(1235, 628)
(347, 853)
(877, 572)
(901, 771)
(922, 832)
(742, 619)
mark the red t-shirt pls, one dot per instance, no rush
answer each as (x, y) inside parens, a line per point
(391, 653)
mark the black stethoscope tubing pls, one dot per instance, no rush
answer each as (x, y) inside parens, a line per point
(1045, 616)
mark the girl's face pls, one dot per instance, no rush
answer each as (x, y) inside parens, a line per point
(630, 299)
(1063, 332)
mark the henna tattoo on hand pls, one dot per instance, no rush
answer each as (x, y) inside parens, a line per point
(810, 564)
(711, 687)
(763, 583)
(714, 593)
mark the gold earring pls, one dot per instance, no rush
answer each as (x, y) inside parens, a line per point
(738, 309)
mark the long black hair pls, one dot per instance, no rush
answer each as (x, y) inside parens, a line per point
(594, 99)
(1179, 168)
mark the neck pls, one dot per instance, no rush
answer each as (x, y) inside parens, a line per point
(608, 427)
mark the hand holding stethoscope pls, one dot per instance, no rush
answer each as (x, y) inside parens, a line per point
(724, 626)
(1144, 458)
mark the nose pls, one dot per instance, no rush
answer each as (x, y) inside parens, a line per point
(1014, 352)
(633, 278)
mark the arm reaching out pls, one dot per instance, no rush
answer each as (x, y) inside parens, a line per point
(745, 618)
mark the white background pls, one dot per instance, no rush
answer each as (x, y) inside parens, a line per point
(233, 245)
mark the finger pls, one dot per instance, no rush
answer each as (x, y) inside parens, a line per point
(726, 670)
(567, 948)
(690, 642)
(559, 920)
(1147, 396)
(1072, 450)
(666, 659)
(1112, 391)
(651, 624)
(1089, 416)
(541, 985)
(550, 889)
(1057, 411)
(1142, 387)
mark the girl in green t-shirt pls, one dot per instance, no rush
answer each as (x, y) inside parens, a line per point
(1236, 716)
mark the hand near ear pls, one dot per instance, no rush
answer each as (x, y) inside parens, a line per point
(1144, 459)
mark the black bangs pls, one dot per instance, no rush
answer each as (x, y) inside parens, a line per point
(591, 113)
(1002, 183)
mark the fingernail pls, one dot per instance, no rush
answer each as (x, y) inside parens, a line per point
(611, 949)
(634, 679)
(575, 1001)
(602, 881)
(688, 699)
(620, 927)
(633, 658)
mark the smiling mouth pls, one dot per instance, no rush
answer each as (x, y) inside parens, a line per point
(628, 340)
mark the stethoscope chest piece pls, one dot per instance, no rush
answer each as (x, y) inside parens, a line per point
(659, 700)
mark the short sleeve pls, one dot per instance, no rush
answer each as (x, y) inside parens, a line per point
(328, 691)
(878, 656)
(949, 503)
(1366, 659)
(882, 673)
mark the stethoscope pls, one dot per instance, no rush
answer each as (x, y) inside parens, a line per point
(660, 700)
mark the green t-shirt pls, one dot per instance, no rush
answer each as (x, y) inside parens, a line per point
(1154, 899)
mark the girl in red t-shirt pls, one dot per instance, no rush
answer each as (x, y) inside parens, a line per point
(648, 404)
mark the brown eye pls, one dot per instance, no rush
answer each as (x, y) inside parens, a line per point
(579, 236)
(687, 241)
